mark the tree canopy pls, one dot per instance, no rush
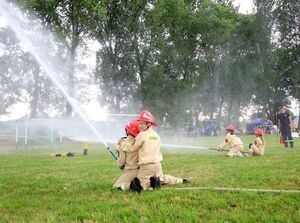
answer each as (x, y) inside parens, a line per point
(179, 59)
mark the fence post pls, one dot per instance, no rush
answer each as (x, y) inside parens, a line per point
(17, 134)
(26, 134)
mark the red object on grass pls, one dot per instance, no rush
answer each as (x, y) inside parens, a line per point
(281, 140)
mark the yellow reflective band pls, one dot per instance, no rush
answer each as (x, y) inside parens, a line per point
(126, 146)
(153, 138)
(116, 148)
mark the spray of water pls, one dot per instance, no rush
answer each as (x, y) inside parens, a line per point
(184, 146)
(36, 40)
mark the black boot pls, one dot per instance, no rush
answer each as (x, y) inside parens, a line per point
(186, 181)
(286, 145)
(154, 182)
(291, 144)
(135, 185)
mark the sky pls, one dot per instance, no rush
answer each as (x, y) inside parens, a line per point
(2, 22)
(245, 6)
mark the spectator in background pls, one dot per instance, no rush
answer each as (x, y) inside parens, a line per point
(284, 126)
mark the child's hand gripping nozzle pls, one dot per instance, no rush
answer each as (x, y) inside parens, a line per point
(115, 156)
(219, 149)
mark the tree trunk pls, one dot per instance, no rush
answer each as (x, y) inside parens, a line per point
(214, 88)
(197, 120)
(219, 116)
(141, 67)
(71, 77)
(298, 124)
(237, 113)
(74, 44)
(35, 94)
(230, 105)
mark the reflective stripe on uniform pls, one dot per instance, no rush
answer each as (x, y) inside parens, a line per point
(126, 146)
(153, 138)
(288, 141)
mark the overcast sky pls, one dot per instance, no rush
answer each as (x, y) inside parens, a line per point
(246, 6)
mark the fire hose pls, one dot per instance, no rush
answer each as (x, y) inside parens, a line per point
(225, 150)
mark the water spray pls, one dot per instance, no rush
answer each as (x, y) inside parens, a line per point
(183, 146)
(10, 14)
(129, 115)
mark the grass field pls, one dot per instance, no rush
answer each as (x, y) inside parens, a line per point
(35, 187)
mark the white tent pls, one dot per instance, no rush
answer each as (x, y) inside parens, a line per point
(296, 125)
(296, 122)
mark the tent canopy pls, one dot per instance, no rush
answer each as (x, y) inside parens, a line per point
(296, 122)
(253, 124)
(256, 121)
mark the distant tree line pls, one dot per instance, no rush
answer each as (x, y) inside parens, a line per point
(177, 58)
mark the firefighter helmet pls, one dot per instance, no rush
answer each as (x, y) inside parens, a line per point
(230, 128)
(259, 132)
(146, 116)
(133, 127)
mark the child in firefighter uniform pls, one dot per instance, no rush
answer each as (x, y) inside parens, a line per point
(258, 147)
(147, 143)
(233, 142)
(127, 161)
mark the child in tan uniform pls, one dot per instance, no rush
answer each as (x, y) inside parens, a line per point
(258, 148)
(233, 142)
(147, 143)
(128, 161)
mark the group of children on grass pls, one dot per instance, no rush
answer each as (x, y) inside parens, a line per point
(258, 147)
(140, 158)
(235, 144)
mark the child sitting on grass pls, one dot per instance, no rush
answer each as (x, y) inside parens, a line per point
(128, 162)
(258, 148)
(233, 142)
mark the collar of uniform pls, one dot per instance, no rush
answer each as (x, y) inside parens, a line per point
(146, 131)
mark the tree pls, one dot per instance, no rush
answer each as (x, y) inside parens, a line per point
(216, 25)
(115, 70)
(287, 15)
(21, 79)
(70, 20)
(10, 87)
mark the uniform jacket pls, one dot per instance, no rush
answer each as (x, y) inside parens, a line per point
(231, 141)
(147, 144)
(130, 160)
(259, 143)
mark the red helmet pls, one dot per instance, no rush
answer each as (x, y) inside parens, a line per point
(146, 116)
(259, 132)
(230, 128)
(133, 127)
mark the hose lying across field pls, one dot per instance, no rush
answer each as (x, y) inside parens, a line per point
(234, 189)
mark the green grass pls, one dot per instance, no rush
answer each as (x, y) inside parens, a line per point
(35, 187)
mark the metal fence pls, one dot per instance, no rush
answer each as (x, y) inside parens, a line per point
(51, 132)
